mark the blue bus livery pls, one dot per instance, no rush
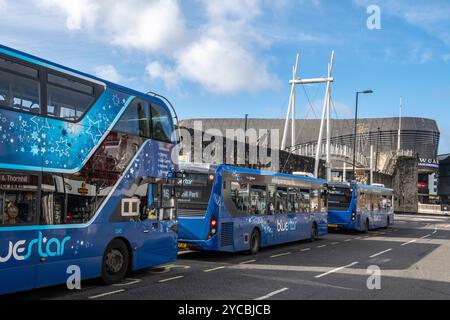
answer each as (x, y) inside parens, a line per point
(230, 209)
(86, 176)
(359, 207)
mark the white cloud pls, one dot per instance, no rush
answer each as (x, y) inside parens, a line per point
(221, 53)
(79, 12)
(108, 72)
(157, 70)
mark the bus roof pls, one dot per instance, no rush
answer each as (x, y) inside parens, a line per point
(58, 67)
(269, 173)
(374, 188)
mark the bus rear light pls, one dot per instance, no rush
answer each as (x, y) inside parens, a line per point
(211, 177)
(213, 223)
(213, 231)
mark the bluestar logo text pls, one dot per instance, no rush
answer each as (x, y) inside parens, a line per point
(45, 247)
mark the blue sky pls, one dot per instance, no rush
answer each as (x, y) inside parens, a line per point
(227, 58)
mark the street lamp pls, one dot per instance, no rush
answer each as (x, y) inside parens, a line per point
(356, 125)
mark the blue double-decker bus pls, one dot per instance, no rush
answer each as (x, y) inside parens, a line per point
(230, 209)
(359, 207)
(86, 176)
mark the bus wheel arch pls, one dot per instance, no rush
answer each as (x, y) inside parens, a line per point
(255, 241)
(117, 260)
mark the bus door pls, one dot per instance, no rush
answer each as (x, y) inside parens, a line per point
(283, 226)
(263, 212)
(158, 223)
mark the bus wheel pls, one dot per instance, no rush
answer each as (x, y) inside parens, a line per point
(115, 262)
(314, 233)
(255, 242)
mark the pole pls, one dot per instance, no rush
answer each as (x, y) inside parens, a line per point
(326, 102)
(294, 101)
(355, 135)
(399, 145)
(378, 148)
(371, 164)
(344, 174)
(291, 97)
(328, 135)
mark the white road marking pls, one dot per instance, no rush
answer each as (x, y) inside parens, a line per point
(427, 236)
(334, 243)
(246, 262)
(267, 296)
(359, 238)
(170, 279)
(348, 240)
(409, 242)
(323, 246)
(131, 282)
(214, 269)
(336, 270)
(281, 255)
(107, 294)
(380, 253)
(304, 250)
(435, 231)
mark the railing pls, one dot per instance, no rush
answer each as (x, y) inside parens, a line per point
(337, 152)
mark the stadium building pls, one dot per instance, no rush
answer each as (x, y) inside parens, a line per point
(419, 136)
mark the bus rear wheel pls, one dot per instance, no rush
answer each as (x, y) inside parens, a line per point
(116, 260)
(255, 242)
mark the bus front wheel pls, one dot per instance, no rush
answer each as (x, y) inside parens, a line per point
(255, 242)
(115, 262)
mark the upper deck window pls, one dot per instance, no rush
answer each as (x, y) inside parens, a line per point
(162, 128)
(19, 87)
(68, 99)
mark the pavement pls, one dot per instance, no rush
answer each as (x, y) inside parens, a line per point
(412, 259)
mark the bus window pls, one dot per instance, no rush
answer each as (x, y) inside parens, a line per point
(362, 202)
(19, 208)
(239, 196)
(323, 201)
(315, 201)
(18, 196)
(135, 120)
(67, 99)
(280, 200)
(376, 202)
(339, 199)
(161, 125)
(292, 203)
(304, 201)
(258, 196)
(19, 92)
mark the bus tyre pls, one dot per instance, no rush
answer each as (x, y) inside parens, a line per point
(255, 242)
(314, 233)
(115, 262)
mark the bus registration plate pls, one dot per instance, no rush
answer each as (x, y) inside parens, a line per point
(182, 245)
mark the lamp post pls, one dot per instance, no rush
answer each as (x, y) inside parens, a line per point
(356, 128)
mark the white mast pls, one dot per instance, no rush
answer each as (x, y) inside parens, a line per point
(326, 107)
(291, 108)
(326, 110)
